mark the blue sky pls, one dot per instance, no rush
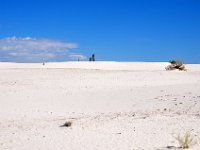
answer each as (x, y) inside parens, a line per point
(115, 30)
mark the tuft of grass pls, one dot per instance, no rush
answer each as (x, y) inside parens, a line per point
(67, 124)
(185, 141)
(175, 64)
(172, 61)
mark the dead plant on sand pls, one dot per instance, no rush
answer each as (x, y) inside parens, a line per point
(175, 64)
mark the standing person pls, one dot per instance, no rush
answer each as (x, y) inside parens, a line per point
(93, 57)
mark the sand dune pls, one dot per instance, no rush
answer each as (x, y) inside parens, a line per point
(112, 105)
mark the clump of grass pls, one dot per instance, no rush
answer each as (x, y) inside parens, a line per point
(67, 124)
(176, 64)
(185, 141)
(172, 61)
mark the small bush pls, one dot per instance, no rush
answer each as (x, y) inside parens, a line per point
(185, 141)
(175, 64)
(172, 61)
(67, 124)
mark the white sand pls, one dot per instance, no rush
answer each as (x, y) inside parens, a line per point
(112, 106)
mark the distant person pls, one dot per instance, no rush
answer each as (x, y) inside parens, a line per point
(93, 57)
(90, 59)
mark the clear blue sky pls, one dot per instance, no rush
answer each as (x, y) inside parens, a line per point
(116, 30)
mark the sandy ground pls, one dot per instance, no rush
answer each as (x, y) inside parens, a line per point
(112, 106)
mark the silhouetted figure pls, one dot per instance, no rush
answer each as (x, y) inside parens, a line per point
(93, 57)
(90, 59)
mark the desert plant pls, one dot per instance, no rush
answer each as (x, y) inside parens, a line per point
(185, 141)
(67, 124)
(175, 64)
(172, 61)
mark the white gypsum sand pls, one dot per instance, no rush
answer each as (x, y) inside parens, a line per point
(112, 106)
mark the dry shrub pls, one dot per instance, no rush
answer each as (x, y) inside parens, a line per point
(185, 141)
(175, 64)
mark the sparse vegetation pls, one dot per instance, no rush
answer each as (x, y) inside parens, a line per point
(172, 61)
(185, 141)
(176, 64)
(67, 124)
